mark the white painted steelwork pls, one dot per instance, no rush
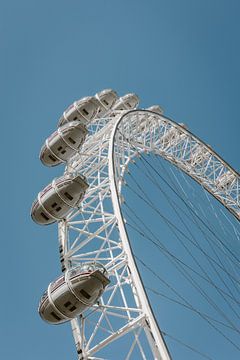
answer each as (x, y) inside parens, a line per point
(96, 231)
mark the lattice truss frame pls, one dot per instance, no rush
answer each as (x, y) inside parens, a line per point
(95, 232)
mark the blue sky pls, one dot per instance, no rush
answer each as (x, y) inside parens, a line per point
(183, 55)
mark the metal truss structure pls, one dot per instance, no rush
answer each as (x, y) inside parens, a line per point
(97, 232)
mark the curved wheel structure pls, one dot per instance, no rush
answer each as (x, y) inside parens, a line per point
(97, 232)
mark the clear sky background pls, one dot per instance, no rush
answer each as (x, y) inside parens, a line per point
(183, 55)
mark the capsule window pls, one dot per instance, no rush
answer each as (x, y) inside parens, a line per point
(85, 111)
(68, 196)
(72, 308)
(58, 208)
(54, 205)
(52, 157)
(85, 294)
(63, 152)
(44, 216)
(105, 102)
(67, 304)
(60, 148)
(55, 316)
(71, 140)
(75, 118)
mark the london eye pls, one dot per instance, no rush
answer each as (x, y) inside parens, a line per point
(111, 148)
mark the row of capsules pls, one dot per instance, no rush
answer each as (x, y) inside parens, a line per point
(79, 287)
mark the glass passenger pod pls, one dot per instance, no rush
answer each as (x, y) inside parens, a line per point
(81, 288)
(107, 99)
(58, 198)
(62, 144)
(82, 110)
(127, 102)
(156, 108)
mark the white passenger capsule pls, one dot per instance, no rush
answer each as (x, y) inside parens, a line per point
(63, 143)
(58, 198)
(107, 99)
(70, 294)
(156, 108)
(82, 110)
(126, 102)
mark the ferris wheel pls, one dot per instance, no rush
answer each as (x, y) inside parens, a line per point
(101, 291)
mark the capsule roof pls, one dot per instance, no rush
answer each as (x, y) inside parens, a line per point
(127, 102)
(156, 108)
(107, 99)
